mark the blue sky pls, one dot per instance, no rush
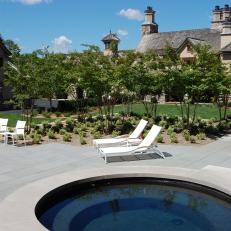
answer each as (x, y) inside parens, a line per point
(66, 24)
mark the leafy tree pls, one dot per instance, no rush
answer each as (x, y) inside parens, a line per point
(148, 82)
(210, 77)
(23, 77)
(12, 47)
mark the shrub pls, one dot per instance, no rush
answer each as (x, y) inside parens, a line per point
(35, 113)
(36, 138)
(201, 136)
(81, 119)
(203, 123)
(82, 140)
(67, 114)
(57, 125)
(51, 134)
(210, 129)
(170, 130)
(163, 123)
(67, 137)
(173, 138)
(62, 131)
(58, 114)
(115, 133)
(46, 125)
(33, 125)
(89, 124)
(194, 129)
(96, 134)
(99, 126)
(223, 125)
(76, 130)
(122, 127)
(41, 131)
(178, 127)
(157, 119)
(79, 131)
(83, 127)
(46, 114)
(186, 135)
(82, 133)
(70, 124)
(160, 139)
(118, 122)
(90, 119)
(192, 139)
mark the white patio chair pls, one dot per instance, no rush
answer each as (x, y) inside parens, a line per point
(3, 126)
(145, 147)
(18, 131)
(132, 139)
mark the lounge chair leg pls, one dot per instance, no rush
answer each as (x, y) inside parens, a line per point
(161, 154)
(105, 159)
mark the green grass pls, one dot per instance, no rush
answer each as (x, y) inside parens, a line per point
(203, 111)
(14, 117)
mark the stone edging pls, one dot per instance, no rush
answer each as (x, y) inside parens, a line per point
(17, 210)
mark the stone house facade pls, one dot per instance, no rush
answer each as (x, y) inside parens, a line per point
(218, 36)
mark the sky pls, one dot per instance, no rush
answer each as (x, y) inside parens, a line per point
(64, 25)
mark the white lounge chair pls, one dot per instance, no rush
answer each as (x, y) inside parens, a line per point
(145, 147)
(19, 131)
(3, 126)
(132, 139)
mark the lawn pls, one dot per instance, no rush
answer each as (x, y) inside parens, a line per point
(203, 111)
(13, 117)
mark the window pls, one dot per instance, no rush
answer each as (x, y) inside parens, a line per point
(107, 45)
(189, 48)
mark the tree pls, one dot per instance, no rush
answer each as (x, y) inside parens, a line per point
(12, 47)
(52, 74)
(23, 77)
(210, 75)
(148, 84)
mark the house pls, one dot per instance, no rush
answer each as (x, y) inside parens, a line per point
(218, 36)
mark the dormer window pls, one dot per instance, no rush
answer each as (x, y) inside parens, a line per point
(189, 48)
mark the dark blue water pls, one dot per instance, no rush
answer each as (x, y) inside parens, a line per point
(139, 207)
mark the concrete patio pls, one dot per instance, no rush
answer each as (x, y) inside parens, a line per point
(47, 166)
(22, 165)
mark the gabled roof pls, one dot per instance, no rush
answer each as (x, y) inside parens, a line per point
(192, 41)
(110, 37)
(158, 41)
(227, 48)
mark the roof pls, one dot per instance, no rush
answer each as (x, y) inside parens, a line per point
(192, 41)
(110, 37)
(227, 48)
(158, 41)
(149, 10)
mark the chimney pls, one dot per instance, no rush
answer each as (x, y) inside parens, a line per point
(226, 32)
(149, 26)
